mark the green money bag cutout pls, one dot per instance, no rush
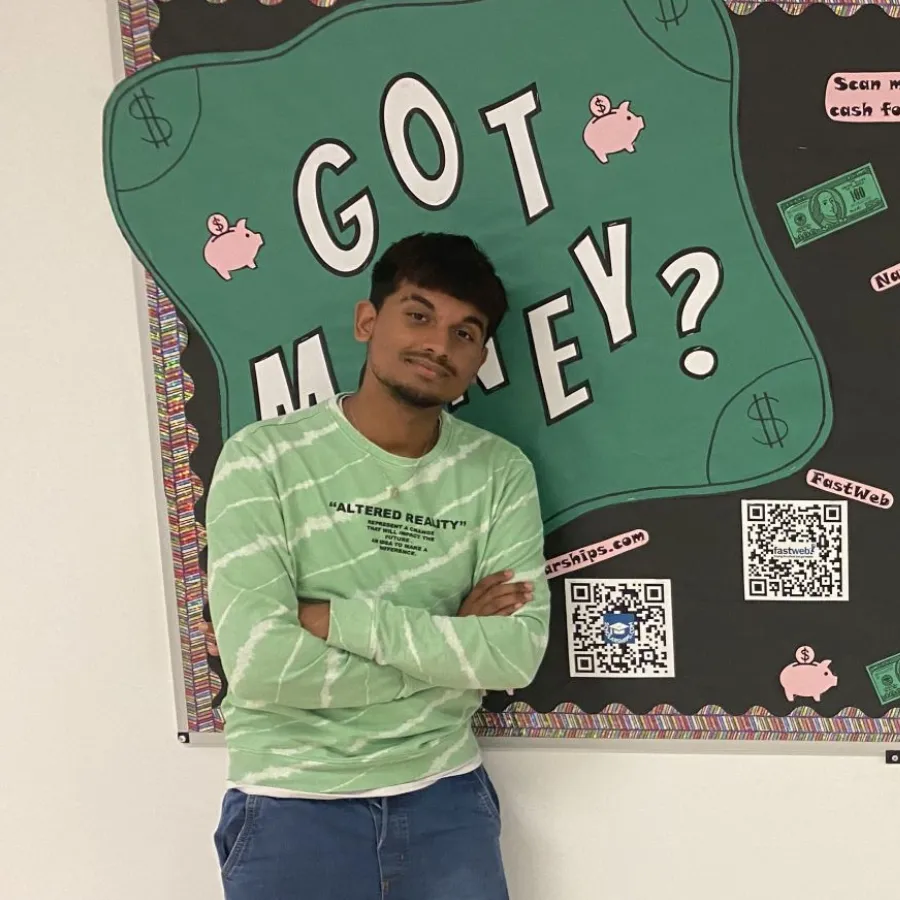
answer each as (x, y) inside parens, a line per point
(652, 347)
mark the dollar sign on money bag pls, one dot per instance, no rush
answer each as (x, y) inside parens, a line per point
(805, 654)
(774, 430)
(669, 14)
(159, 129)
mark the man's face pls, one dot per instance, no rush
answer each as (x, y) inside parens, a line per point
(425, 347)
(827, 205)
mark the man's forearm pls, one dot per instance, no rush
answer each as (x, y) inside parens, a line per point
(470, 652)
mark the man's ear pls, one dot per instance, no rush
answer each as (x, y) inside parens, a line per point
(364, 321)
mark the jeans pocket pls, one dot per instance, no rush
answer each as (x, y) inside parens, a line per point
(232, 835)
(487, 793)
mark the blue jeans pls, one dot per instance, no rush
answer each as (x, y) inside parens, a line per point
(438, 843)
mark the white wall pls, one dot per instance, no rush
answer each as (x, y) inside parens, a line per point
(98, 801)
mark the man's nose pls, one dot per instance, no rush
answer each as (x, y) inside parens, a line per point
(437, 342)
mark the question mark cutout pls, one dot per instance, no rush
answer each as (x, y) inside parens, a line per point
(698, 362)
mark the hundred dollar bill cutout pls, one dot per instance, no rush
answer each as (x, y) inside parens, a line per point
(846, 487)
(833, 205)
(885, 678)
(863, 97)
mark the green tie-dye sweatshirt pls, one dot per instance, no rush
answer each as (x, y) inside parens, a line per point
(304, 506)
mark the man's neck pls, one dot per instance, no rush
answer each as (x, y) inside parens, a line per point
(392, 425)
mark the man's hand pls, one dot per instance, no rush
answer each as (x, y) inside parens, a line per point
(494, 595)
(209, 636)
(315, 618)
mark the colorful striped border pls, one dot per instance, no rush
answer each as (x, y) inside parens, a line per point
(709, 723)
(742, 8)
(178, 439)
(793, 7)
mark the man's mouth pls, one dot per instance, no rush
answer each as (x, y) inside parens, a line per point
(426, 367)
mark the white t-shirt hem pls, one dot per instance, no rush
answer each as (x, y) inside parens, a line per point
(390, 791)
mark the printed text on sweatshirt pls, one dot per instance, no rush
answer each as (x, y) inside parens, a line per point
(305, 507)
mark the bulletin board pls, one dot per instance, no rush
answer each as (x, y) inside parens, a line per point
(695, 207)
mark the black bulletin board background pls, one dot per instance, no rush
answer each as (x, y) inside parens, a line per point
(728, 651)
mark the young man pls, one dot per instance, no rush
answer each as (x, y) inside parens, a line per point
(375, 566)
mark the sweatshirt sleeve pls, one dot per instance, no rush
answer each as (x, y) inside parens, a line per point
(483, 652)
(267, 656)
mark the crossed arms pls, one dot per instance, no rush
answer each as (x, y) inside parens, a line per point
(364, 650)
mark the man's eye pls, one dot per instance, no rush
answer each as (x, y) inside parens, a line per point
(416, 315)
(465, 336)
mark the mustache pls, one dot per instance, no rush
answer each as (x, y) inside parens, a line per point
(439, 363)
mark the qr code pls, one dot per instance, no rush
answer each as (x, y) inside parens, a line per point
(620, 628)
(795, 549)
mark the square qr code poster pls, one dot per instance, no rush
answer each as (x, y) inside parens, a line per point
(795, 549)
(620, 628)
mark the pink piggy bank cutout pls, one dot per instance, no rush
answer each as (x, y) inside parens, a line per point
(611, 130)
(230, 247)
(807, 679)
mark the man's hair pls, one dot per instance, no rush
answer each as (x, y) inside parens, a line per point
(450, 263)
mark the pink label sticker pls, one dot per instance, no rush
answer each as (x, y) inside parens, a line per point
(846, 487)
(863, 97)
(887, 278)
(587, 556)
